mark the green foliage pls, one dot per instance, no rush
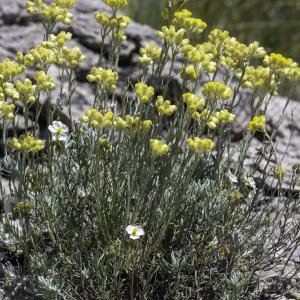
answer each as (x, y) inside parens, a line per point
(144, 198)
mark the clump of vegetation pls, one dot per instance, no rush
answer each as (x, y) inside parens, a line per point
(143, 197)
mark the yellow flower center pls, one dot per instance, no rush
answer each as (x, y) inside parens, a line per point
(59, 131)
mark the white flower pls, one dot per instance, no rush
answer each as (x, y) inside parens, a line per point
(135, 232)
(232, 178)
(59, 131)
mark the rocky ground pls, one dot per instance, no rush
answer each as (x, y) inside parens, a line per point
(18, 31)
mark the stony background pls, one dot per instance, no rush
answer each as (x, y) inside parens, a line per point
(18, 31)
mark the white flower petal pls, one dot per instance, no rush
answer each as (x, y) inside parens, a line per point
(129, 228)
(134, 237)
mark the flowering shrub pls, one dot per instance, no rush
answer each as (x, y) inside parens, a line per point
(145, 198)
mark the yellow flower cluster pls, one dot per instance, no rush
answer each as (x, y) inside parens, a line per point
(200, 146)
(144, 92)
(116, 3)
(199, 55)
(194, 103)
(26, 90)
(237, 55)
(223, 117)
(283, 66)
(107, 21)
(6, 110)
(52, 13)
(258, 123)
(171, 35)
(53, 51)
(134, 124)
(43, 81)
(10, 91)
(71, 57)
(257, 78)
(107, 79)
(149, 54)
(44, 54)
(97, 119)
(218, 37)
(158, 147)
(164, 107)
(27, 143)
(189, 73)
(9, 69)
(216, 90)
(61, 39)
(184, 19)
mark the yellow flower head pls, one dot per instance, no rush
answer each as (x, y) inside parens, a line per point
(116, 3)
(217, 90)
(27, 144)
(258, 123)
(189, 72)
(194, 103)
(200, 146)
(6, 110)
(106, 78)
(164, 107)
(144, 92)
(158, 147)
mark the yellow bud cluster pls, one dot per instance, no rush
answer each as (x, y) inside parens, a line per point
(97, 119)
(149, 54)
(107, 79)
(217, 37)
(258, 123)
(197, 55)
(26, 90)
(158, 147)
(144, 92)
(237, 54)
(27, 143)
(216, 90)
(200, 146)
(223, 117)
(116, 3)
(10, 91)
(134, 124)
(184, 19)
(171, 35)
(164, 107)
(194, 103)
(6, 110)
(43, 54)
(43, 81)
(258, 78)
(189, 73)
(283, 66)
(65, 3)
(71, 57)
(9, 69)
(61, 39)
(53, 13)
(203, 116)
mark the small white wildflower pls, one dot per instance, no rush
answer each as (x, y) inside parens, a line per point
(59, 131)
(232, 178)
(135, 232)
